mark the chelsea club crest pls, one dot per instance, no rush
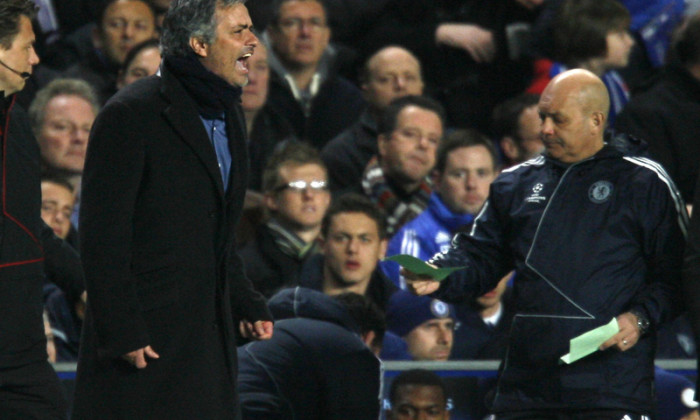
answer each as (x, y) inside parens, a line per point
(600, 192)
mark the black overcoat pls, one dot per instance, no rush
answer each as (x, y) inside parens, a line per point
(157, 230)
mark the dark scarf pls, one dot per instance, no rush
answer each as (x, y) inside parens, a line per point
(212, 94)
(399, 210)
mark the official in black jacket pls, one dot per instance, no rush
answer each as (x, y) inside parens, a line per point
(594, 233)
(28, 386)
(160, 206)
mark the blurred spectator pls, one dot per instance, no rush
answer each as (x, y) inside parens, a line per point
(353, 234)
(319, 365)
(62, 115)
(418, 394)
(266, 128)
(592, 35)
(397, 178)
(426, 325)
(465, 47)
(66, 312)
(141, 61)
(57, 203)
(305, 88)
(676, 340)
(667, 116)
(296, 198)
(122, 24)
(465, 167)
(675, 396)
(516, 124)
(390, 73)
(160, 7)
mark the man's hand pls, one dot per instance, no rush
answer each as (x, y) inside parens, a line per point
(138, 357)
(628, 335)
(259, 330)
(478, 42)
(419, 285)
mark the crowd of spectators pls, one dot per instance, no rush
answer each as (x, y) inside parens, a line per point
(374, 128)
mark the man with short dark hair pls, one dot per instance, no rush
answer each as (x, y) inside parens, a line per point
(353, 240)
(29, 387)
(390, 73)
(596, 235)
(397, 180)
(516, 126)
(168, 291)
(321, 363)
(418, 394)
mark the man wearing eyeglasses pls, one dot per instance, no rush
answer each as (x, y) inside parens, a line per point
(304, 85)
(295, 198)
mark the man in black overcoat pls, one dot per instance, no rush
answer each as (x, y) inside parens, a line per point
(163, 189)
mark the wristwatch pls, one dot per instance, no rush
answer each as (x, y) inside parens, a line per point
(642, 322)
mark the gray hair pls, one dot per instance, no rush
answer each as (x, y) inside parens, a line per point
(187, 19)
(57, 87)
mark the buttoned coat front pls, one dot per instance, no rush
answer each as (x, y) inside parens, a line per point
(157, 233)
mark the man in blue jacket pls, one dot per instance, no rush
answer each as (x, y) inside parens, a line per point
(321, 362)
(594, 234)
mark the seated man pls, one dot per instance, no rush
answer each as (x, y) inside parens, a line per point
(516, 126)
(418, 394)
(61, 115)
(409, 134)
(305, 87)
(390, 73)
(466, 166)
(296, 198)
(319, 364)
(426, 325)
(675, 396)
(121, 25)
(353, 236)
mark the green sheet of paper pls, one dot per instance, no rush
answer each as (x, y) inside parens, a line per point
(588, 342)
(420, 267)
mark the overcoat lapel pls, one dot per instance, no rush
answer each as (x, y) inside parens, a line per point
(181, 113)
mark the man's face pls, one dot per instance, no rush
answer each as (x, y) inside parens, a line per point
(491, 298)
(424, 402)
(301, 209)
(619, 47)
(228, 54)
(352, 248)
(431, 340)
(125, 24)
(56, 207)
(255, 93)
(144, 64)
(20, 57)
(64, 133)
(301, 35)
(408, 154)
(464, 184)
(393, 73)
(565, 131)
(529, 132)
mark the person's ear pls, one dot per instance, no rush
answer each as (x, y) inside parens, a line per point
(383, 244)
(199, 47)
(381, 145)
(598, 119)
(270, 201)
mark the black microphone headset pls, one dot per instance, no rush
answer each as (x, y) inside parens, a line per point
(23, 75)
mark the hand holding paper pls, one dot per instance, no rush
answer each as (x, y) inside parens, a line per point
(421, 268)
(589, 342)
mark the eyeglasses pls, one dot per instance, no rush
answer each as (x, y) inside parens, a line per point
(295, 24)
(302, 186)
